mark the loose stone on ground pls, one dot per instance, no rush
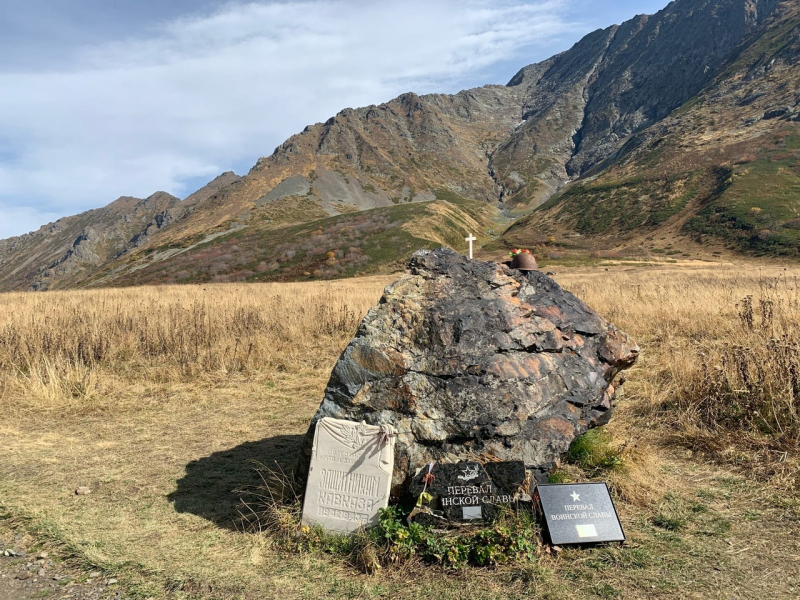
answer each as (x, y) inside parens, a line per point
(27, 575)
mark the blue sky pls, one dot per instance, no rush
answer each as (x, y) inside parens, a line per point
(100, 99)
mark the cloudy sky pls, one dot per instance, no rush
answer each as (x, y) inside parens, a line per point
(103, 98)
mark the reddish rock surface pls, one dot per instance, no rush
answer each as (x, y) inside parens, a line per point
(468, 359)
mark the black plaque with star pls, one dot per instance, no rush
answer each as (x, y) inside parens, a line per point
(578, 513)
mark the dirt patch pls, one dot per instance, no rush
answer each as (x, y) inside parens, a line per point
(29, 573)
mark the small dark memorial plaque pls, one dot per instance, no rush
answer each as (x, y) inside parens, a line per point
(469, 491)
(578, 513)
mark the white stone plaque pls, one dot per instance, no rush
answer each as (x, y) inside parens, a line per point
(350, 474)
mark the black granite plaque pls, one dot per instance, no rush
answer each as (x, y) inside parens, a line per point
(578, 513)
(469, 491)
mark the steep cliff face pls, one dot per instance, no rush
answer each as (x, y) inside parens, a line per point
(63, 252)
(530, 165)
(581, 107)
(656, 64)
(378, 156)
(723, 168)
(517, 144)
(208, 190)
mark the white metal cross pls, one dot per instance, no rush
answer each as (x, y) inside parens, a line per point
(470, 239)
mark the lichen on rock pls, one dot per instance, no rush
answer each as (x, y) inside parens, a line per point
(470, 360)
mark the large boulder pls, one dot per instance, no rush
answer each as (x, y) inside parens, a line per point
(472, 360)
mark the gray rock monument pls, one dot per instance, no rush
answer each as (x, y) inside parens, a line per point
(470, 360)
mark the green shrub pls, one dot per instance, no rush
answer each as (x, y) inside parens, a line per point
(669, 522)
(560, 476)
(511, 537)
(594, 452)
(275, 508)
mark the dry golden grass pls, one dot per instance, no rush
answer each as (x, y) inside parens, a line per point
(67, 348)
(162, 399)
(721, 365)
(129, 391)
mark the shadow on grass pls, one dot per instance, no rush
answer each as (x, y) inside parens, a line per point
(210, 487)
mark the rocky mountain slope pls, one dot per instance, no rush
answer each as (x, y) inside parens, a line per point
(581, 107)
(724, 168)
(72, 248)
(624, 101)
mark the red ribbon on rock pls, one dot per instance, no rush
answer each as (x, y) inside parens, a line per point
(429, 477)
(384, 435)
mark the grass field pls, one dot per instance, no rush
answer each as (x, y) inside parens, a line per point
(163, 399)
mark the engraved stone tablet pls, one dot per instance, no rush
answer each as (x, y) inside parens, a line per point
(578, 513)
(350, 474)
(469, 491)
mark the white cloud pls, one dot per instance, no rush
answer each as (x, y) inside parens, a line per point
(14, 221)
(204, 94)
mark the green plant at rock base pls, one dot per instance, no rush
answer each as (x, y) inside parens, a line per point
(402, 540)
(511, 537)
(559, 476)
(594, 452)
(670, 523)
(275, 508)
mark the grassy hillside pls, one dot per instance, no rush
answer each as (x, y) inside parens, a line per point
(610, 205)
(354, 243)
(756, 205)
(747, 199)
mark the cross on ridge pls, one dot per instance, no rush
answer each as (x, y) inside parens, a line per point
(470, 239)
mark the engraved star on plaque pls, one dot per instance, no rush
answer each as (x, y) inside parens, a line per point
(572, 517)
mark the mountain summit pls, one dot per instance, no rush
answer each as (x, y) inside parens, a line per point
(664, 121)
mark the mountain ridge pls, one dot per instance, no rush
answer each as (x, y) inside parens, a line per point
(522, 147)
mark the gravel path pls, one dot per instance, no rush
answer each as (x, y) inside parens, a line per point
(28, 574)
